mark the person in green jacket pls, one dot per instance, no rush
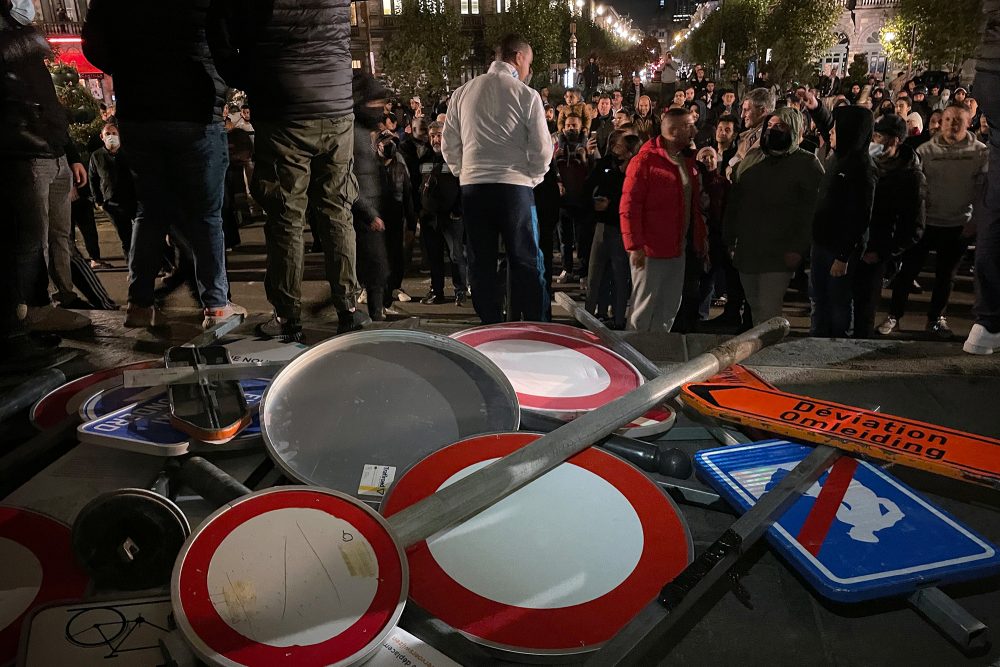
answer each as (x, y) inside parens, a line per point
(768, 220)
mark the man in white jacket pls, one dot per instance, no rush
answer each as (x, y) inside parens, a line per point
(497, 143)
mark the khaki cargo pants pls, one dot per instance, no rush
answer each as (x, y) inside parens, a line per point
(298, 164)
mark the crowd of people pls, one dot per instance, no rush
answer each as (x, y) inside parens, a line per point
(657, 206)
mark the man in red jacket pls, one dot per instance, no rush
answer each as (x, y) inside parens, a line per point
(660, 215)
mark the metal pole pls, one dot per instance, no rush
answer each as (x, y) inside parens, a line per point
(957, 624)
(482, 489)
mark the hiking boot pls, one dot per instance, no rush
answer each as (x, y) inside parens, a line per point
(940, 328)
(54, 318)
(982, 341)
(214, 316)
(888, 326)
(352, 320)
(281, 329)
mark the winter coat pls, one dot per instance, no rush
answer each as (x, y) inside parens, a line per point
(383, 190)
(578, 109)
(111, 181)
(899, 208)
(293, 58)
(847, 192)
(440, 193)
(956, 175)
(652, 206)
(32, 122)
(606, 180)
(158, 54)
(770, 211)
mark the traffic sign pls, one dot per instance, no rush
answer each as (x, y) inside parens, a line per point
(936, 449)
(58, 404)
(145, 427)
(858, 533)
(740, 375)
(38, 568)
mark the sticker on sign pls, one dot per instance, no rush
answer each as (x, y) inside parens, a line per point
(375, 479)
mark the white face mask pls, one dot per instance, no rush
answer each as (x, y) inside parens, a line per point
(875, 149)
(112, 141)
(23, 11)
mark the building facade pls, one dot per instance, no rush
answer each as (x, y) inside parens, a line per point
(858, 32)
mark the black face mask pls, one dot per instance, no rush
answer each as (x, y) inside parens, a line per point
(389, 150)
(572, 136)
(775, 140)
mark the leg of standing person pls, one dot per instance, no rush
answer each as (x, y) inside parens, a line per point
(60, 229)
(372, 268)
(657, 290)
(482, 235)
(867, 288)
(599, 261)
(567, 240)
(453, 230)
(620, 277)
(519, 229)
(548, 220)
(583, 230)
(122, 222)
(766, 293)
(910, 266)
(831, 296)
(950, 246)
(395, 248)
(433, 243)
(82, 215)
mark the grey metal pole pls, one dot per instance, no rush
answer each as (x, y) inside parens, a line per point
(482, 489)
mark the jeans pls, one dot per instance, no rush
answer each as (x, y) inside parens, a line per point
(831, 297)
(441, 234)
(495, 211)
(179, 170)
(949, 246)
(987, 305)
(866, 282)
(298, 164)
(608, 259)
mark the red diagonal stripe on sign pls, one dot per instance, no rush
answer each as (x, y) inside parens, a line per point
(824, 511)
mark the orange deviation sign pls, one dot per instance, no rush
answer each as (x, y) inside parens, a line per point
(740, 375)
(916, 444)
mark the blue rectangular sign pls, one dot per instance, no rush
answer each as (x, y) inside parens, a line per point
(884, 540)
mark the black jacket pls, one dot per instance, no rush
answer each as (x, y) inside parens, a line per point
(158, 55)
(292, 57)
(111, 181)
(32, 122)
(606, 180)
(440, 192)
(846, 194)
(898, 212)
(384, 191)
(415, 154)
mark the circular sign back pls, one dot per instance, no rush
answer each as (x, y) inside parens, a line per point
(59, 403)
(556, 568)
(37, 567)
(289, 576)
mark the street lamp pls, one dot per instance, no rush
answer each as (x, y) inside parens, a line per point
(889, 36)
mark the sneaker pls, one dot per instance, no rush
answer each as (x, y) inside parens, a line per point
(54, 318)
(352, 320)
(278, 328)
(460, 299)
(389, 310)
(915, 288)
(100, 264)
(565, 277)
(139, 317)
(363, 297)
(401, 296)
(940, 328)
(981, 341)
(888, 326)
(214, 316)
(433, 299)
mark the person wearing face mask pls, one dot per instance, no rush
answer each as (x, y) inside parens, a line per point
(575, 224)
(39, 166)
(843, 213)
(496, 143)
(768, 218)
(114, 190)
(897, 218)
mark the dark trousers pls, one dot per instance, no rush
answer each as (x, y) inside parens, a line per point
(373, 267)
(299, 164)
(987, 305)
(82, 215)
(576, 231)
(179, 170)
(548, 219)
(866, 283)
(608, 260)
(497, 211)
(949, 245)
(395, 238)
(831, 297)
(440, 235)
(123, 221)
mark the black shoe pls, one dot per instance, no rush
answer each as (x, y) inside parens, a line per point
(461, 298)
(352, 320)
(288, 331)
(433, 299)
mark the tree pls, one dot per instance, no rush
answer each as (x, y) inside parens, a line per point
(83, 110)
(426, 56)
(545, 25)
(738, 23)
(934, 33)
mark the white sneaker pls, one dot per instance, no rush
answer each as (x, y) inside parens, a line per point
(54, 318)
(363, 297)
(981, 341)
(215, 315)
(391, 311)
(401, 296)
(887, 326)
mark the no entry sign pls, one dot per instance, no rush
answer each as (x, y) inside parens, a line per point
(936, 449)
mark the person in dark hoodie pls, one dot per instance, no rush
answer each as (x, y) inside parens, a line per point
(384, 197)
(843, 213)
(897, 216)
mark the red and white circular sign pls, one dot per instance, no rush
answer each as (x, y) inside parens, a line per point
(553, 373)
(656, 421)
(547, 327)
(38, 567)
(289, 576)
(55, 406)
(559, 566)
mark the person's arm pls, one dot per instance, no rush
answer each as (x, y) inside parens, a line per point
(451, 136)
(409, 209)
(632, 207)
(912, 218)
(539, 142)
(857, 210)
(95, 181)
(561, 118)
(811, 180)
(979, 190)
(96, 36)
(818, 112)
